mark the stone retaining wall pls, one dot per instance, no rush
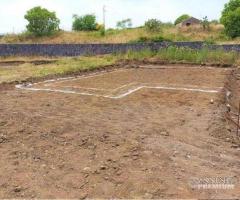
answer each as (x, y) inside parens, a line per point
(95, 49)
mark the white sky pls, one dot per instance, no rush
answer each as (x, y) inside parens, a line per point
(12, 11)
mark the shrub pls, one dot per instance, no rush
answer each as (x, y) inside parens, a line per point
(231, 18)
(153, 25)
(41, 21)
(181, 19)
(151, 39)
(214, 21)
(126, 23)
(84, 23)
(205, 23)
(204, 55)
(177, 54)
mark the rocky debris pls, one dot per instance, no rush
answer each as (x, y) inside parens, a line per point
(3, 138)
(86, 169)
(17, 189)
(235, 146)
(103, 167)
(83, 195)
(148, 196)
(164, 133)
(188, 156)
(175, 153)
(199, 114)
(228, 139)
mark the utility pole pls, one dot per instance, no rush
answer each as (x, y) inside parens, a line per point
(104, 18)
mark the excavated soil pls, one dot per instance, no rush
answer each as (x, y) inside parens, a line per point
(148, 144)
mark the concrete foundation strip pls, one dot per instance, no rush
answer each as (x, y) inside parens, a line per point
(48, 83)
(121, 95)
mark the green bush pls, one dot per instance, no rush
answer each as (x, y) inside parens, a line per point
(231, 18)
(126, 23)
(160, 39)
(84, 23)
(42, 22)
(181, 19)
(153, 25)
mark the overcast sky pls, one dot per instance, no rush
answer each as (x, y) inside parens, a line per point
(12, 11)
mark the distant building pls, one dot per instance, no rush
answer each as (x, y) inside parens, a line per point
(190, 22)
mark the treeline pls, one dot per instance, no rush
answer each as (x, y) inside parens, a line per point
(42, 22)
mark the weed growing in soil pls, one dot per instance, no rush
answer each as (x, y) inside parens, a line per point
(202, 56)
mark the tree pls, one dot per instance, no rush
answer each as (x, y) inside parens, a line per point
(231, 18)
(153, 25)
(126, 23)
(84, 23)
(205, 23)
(41, 21)
(232, 23)
(231, 6)
(181, 19)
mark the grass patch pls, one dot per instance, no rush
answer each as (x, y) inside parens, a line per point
(75, 64)
(151, 39)
(172, 53)
(198, 56)
(169, 32)
(62, 66)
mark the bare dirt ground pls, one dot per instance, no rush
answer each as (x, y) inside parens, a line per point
(146, 143)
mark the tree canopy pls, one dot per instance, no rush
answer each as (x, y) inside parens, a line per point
(126, 23)
(41, 21)
(84, 23)
(153, 25)
(231, 18)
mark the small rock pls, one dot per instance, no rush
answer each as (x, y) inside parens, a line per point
(235, 146)
(148, 196)
(3, 139)
(83, 195)
(17, 189)
(228, 139)
(175, 153)
(135, 154)
(118, 173)
(135, 157)
(86, 169)
(228, 128)
(212, 101)
(164, 133)
(96, 172)
(103, 167)
(188, 156)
